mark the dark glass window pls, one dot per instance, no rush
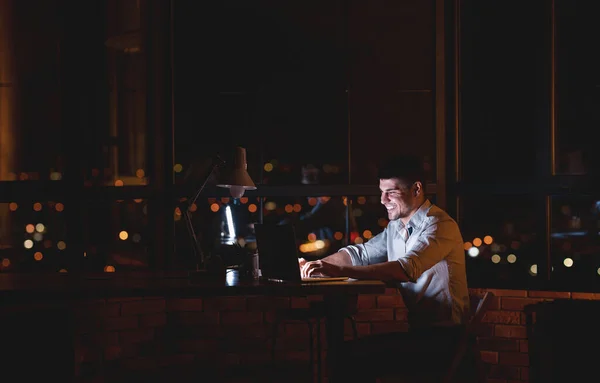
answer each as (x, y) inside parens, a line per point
(575, 241)
(504, 88)
(501, 245)
(117, 138)
(32, 138)
(577, 87)
(33, 236)
(272, 81)
(116, 236)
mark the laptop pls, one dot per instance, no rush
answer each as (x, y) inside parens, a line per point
(278, 256)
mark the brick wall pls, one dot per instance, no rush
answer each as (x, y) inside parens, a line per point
(143, 334)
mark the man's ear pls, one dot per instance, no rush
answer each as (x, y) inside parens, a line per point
(418, 188)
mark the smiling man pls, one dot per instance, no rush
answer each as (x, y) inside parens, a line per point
(421, 251)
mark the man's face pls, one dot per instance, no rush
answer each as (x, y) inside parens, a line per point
(398, 198)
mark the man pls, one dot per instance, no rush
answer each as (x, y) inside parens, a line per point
(421, 251)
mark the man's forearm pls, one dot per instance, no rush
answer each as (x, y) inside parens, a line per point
(341, 258)
(387, 271)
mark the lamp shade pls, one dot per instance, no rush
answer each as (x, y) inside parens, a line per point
(238, 180)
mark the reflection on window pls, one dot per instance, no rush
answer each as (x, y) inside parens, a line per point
(116, 236)
(32, 236)
(30, 103)
(499, 240)
(117, 156)
(575, 240)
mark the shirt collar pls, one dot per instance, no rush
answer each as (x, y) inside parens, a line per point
(418, 217)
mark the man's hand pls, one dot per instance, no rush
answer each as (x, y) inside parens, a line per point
(301, 262)
(321, 268)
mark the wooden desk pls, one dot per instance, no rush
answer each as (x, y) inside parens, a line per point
(23, 288)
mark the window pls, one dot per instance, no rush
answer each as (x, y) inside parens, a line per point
(525, 159)
(504, 89)
(116, 236)
(501, 243)
(31, 122)
(34, 236)
(317, 92)
(85, 206)
(577, 89)
(575, 240)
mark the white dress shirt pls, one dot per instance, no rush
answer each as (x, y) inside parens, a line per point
(430, 249)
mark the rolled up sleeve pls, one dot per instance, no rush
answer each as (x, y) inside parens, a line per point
(433, 245)
(372, 252)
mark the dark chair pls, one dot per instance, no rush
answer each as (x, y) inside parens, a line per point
(563, 330)
(467, 344)
(314, 314)
(457, 365)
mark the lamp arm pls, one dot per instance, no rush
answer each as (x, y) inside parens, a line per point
(216, 163)
(199, 254)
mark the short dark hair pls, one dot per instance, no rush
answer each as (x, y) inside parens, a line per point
(404, 167)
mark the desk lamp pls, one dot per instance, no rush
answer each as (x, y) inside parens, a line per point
(237, 181)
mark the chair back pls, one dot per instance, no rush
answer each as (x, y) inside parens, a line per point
(466, 343)
(479, 306)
